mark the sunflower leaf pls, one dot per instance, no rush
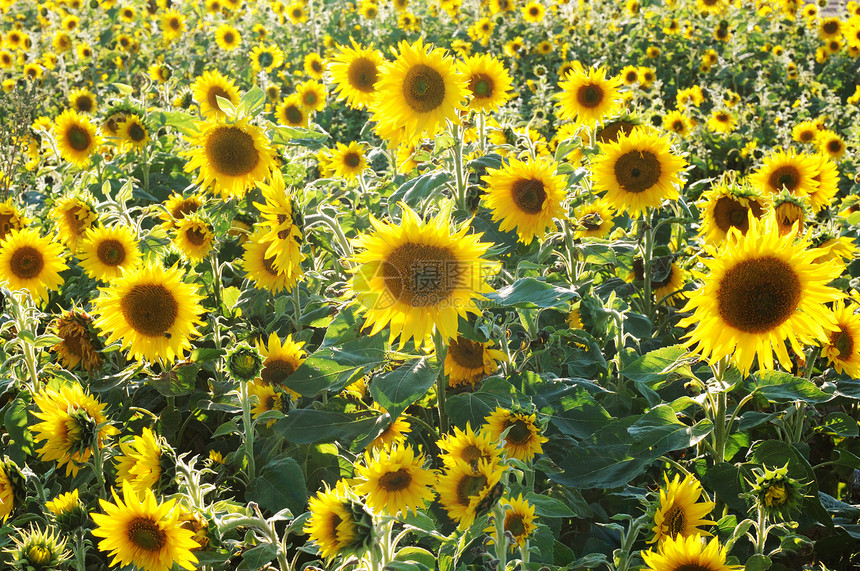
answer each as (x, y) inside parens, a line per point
(397, 389)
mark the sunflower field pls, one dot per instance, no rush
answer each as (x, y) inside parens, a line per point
(429, 285)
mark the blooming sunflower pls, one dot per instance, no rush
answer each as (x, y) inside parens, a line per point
(266, 57)
(177, 207)
(78, 343)
(843, 346)
(830, 144)
(172, 24)
(786, 170)
(70, 420)
(463, 487)
(467, 361)
(805, 132)
(76, 137)
(133, 132)
(680, 513)
(827, 177)
(82, 100)
(415, 276)
(194, 237)
(638, 171)
(726, 205)
(151, 310)
(393, 480)
(523, 440)
(593, 220)
(260, 267)
(105, 252)
(290, 112)
(468, 446)
(393, 433)
(314, 65)
(282, 359)
(677, 123)
(74, 215)
(138, 530)
(139, 465)
(348, 161)
(31, 262)
(231, 156)
(311, 95)
(526, 196)
(588, 96)
(419, 91)
(208, 88)
(721, 121)
(279, 220)
(533, 12)
(337, 524)
(355, 71)
(488, 81)
(227, 37)
(7, 490)
(519, 521)
(763, 289)
(688, 554)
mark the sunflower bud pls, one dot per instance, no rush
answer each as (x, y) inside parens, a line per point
(777, 493)
(12, 491)
(244, 363)
(68, 510)
(37, 550)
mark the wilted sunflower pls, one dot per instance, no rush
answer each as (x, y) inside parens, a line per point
(488, 81)
(593, 220)
(31, 262)
(70, 420)
(526, 196)
(338, 524)
(151, 310)
(266, 57)
(393, 480)
(348, 161)
(311, 95)
(763, 289)
(523, 440)
(467, 361)
(231, 156)
(468, 446)
(637, 172)
(843, 346)
(688, 554)
(74, 215)
(105, 252)
(82, 100)
(355, 72)
(208, 88)
(419, 91)
(76, 137)
(464, 487)
(728, 204)
(138, 530)
(414, 276)
(588, 96)
(680, 511)
(260, 267)
(291, 113)
(793, 172)
(78, 343)
(139, 465)
(281, 359)
(194, 237)
(519, 521)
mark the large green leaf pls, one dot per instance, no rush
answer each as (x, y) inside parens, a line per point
(530, 293)
(779, 386)
(397, 389)
(655, 368)
(659, 431)
(416, 190)
(309, 426)
(17, 424)
(280, 484)
(332, 368)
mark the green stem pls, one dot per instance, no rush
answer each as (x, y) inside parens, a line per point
(80, 551)
(320, 218)
(457, 154)
(248, 428)
(441, 382)
(647, 251)
(761, 528)
(298, 308)
(501, 539)
(524, 555)
(627, 541)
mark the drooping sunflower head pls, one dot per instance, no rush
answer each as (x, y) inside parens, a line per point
(680, 509)
(194, 237)
(489, 82)
(79, 344)
(281, 225)
(827, 177)
(105, 252)
(467, 362)
(260, 267)
(208, 88)
(470, 447)
(77, 138)
(593, 220)
(31, 262)
(338, 523)
(786, 170)
(139, 465)
(355, 71)
(688, 554)
(11, 218)
(282, 359)
(68, 511)
(523, 439)
(726, 205)
(12, 488)
(790, 211)
(777, 493)
(588, 96)
(394, 480)
(464, 489)
(74, 215)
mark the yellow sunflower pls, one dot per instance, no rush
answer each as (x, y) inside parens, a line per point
(393, 433)
(172, 24)
(281, 359)
(468, 446)
(31, 262)
(671, 284)
(786, 170)
(680, 511)
(133, 132)
(588, 96)
(11, 218)
(348, 161)
(721, 121)
(526, 196)
(311, 95)
(394, 481)
(231, 156)
(843, 346)
(726, 205)
(827, 177)
(464, 486)
(76, 137)
(151, 310)
(489, 82)
(830, 144)
(805, 132)
(208, 88)
(194, 237)
(686, 554)
(638, 171)
(291, 113)
(82, 100)
(177, 207)
(418, 92)
(523, 440)
(593, 220)
(227, 37)
(139, 465)
(314, 65)
(260, 267)
(762, 289)
(266, 57)
(265, 398)
(414, 276)
(78, 343)
(677, 123)
(138, 530)
(533, 12)
(106, 252)
(355, 71)
(7, 490)
(74, 215)
(467, 361)
(336, 523)
(519, 521)
(279, 221)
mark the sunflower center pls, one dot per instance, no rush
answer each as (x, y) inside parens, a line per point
(333, 522)
(678, 126)
(362, 74)
(675, 521)
(185, 207)
(421, 275)
(834, 146)
(149, 309)
(843, 343)
(514, 523)
(269, 265)
(175, 24)
(469, 487)
(807, 136)
(136, 133)
(84, 104)
(423, 88)
(692, 567)
(785, 176)
(111, 252)
(265, 59)
(590, 96)
(631, 77)
(146, 534)
(231, 151)
(228, 38)
(294, 115)
(352, 160)
(481, 85)
(529, 195)
(395, 481)
(610, 133)
(830, 27)
(275, 371)
(519, 434)
(637, 171)
(467, 353)
(27, 262)
(317, 66)
(729, 213)
(214, 93)
(471, 454)
(196, 236)
(591, 221)
(78, 138)
(722, 117)
(534, 11)
(310, 98)
(757, 295)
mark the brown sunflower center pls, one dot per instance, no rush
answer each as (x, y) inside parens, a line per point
(269, 265)
(675, 521)
(421, 275)
(265, 59)
(196, 236)
(807, 136)
(333, 522)
(185, 207)
(136, 133)
(693, 567)
(214, 93)
(843, 342)
(352, 159)
(591, 221)
(149, 309)
(834, 145)
(729, 213)
(362, 74)
(275, 371)
(317, 66)
(678, 126)
(830, 27)
(637, 171)
(27, 262)
(759, 294)
(514, 523)
(520, 432)
(145, 534)
(471, 454)
(423, 88)
(293, 115)
(468, 487)
(84, 103)
(611, 132)
(111, 252)
(631, 77)
(174, 23)
(395, 481)
(481, 85)
(231, 151)
(534, 11)
(228, 38)
(722, 117)
(78, 138)
(467, 353)
(529, 195)
(590, 95)
(310, 98)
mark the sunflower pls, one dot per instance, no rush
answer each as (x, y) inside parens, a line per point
(265, 398)
(394, 481)
(533, 12)
(290, 112)
(468, 446)
(266, 57)
(281, 359)
(805, 132)
(638, 171)
(76, 137)
(138, 530)
(523, 440)
(231, 156)
(467, 361)
(463, 487)
(107, 252)
(488, 81)
(419, 91)
(297, 13)
(311, 95)
(260, 268)
(790, 211)
(177, 207)
(337, 524)
(526, 196)
(588, 96)
(843, 346)
(674, 281)
(74, 215)
(593, 220)
(37, 549)
(519, 521)
(728, 204)
(283, 233)
(208, 88)
(393, 433)
(82, 100)
(314, 65)
(139, 465)
(786, 170)
(722, 121)
(763, 288)
(680, 511)
(830, 144)
(688, 554)
(415, 276)
(78, 344)
(7, 488)
(194, 237)
(348, 161)
(829, 28)
(31, 262)
(11, 218)
(355, 72)
(227, 37)
(611, 131)
(72, 420)
(133, 132)
(151, 311)
(172, 24)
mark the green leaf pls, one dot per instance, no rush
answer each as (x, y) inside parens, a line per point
(407, 566)
(333, 368)
(310, 426)
(257, 557)
(726, 480)
(758, 563)
(659, 431)
(280, 484)
(179, 120)
(47, 340)
(779, 386)
(178, 382)
(229, 297)
(530, 293)
(17, 424)
(397, 389)
(549, 507)
(655, 367)
(416, 190)
(416, 555)
(504, 241)
(252, 101)
(226, 428)
(840, 424)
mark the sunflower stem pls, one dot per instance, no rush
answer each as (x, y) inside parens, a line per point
(441, 382)
(647, 251)
(524, 555)
(80, 551)
(457, 154)
(622, 557)
(320, 218)
(20, 311)
(298, 308)
(248, 428)
(501, 539)
(761, 531)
